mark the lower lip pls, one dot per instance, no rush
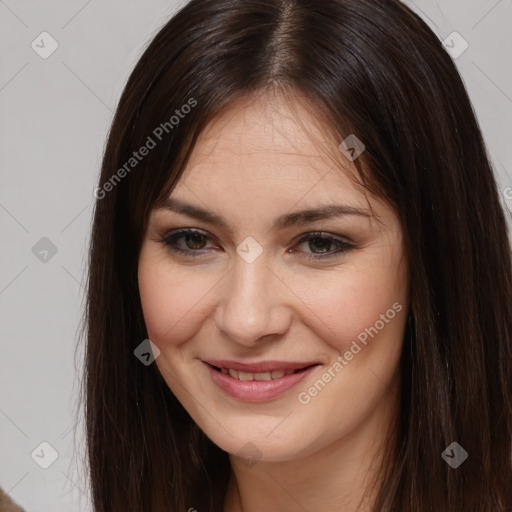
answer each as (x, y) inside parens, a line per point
(257, 390)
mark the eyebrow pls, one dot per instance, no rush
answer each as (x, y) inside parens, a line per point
(287, 220)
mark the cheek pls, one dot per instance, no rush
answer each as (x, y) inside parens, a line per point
(361, 315)
(172, 300)
(358, 304)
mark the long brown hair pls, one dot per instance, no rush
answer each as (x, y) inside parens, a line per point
(371, 68)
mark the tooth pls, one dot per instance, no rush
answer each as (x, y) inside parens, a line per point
(247, 376)
(262, 376)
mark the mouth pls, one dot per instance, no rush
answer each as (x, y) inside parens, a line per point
(257, 382)
(258, 374)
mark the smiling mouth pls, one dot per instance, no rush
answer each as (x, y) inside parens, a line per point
(267, 381)
(258, 376)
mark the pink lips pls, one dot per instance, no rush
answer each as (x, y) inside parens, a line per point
(257, 390)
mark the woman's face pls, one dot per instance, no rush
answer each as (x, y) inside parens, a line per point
(264, 289)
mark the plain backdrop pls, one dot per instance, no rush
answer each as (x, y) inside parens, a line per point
(55, 114)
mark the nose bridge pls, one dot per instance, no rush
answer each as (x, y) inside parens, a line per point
(250, 307)
(250, 280)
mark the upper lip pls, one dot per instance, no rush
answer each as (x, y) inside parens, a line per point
(261, 366)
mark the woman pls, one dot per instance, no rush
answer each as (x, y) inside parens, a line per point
(296, 208)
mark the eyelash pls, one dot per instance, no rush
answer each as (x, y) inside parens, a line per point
(172, 237)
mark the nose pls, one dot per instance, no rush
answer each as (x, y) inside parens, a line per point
(253, 304)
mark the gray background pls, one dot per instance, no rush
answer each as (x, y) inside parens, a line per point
(55, 113)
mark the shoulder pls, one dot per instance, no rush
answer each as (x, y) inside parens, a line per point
(7, 505)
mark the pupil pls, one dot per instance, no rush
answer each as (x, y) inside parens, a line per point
(197, 236)
(323, 241)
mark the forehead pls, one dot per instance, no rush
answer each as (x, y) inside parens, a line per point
(268, 142)
(262, 159)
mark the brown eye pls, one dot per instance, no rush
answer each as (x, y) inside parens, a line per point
(323, 243)
(320, 246)
(194, 241)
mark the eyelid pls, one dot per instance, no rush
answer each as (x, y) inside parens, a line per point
(342, 242)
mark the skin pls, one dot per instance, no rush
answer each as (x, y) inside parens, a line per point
(252, 164)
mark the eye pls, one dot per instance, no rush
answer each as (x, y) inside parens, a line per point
(322, 242)
(195, 241)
